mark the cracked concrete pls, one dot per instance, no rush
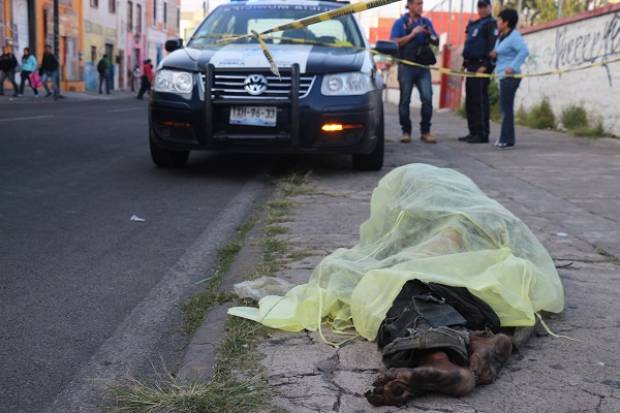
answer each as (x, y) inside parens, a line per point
(564, 188)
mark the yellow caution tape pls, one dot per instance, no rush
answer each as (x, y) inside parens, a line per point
(363, 6)
(330, 15)
(267, 53)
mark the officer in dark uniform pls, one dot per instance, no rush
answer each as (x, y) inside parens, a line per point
(481, 36)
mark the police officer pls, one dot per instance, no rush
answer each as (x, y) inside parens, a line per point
(481, 36)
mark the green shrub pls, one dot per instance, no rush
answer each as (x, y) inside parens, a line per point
(575, 117)
(541, 116)
(591, 132)
(461, 111)
(495, 110)
(521, 116)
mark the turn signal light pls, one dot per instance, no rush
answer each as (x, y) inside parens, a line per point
(332, 127)
(339, 127)
(175, 124)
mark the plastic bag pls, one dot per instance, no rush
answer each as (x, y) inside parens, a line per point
(431, 224)
(261, 287)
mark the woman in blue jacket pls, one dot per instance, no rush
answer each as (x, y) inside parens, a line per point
(510, 52)
(29, 65)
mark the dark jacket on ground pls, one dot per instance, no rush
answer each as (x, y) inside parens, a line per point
(8, 62)
(49, 63)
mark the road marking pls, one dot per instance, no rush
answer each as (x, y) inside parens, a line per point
(123, 110)
(27, 118)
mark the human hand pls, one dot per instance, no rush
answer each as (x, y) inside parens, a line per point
(509, 71)
(481, 69)
(417, 30)
(493, 54)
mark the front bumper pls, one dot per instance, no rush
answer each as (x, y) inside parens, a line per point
(203, 122)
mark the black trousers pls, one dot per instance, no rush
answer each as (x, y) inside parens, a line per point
(477, 104)
(145, 85)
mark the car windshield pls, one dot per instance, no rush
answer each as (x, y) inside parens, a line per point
(241, 19)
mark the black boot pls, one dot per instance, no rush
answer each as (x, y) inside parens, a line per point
(478, 139)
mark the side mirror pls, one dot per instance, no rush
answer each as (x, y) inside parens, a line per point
(173, 44)
(386, 47)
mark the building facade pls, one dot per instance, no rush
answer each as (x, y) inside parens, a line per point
(128, 31)
(100, 25)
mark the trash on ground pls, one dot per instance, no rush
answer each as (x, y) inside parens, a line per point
(136, 218)
(262, 287)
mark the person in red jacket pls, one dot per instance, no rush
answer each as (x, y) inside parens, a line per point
(147, 78)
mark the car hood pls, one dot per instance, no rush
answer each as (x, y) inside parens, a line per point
(311, 59)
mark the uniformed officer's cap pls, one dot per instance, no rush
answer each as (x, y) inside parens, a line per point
(484, 3)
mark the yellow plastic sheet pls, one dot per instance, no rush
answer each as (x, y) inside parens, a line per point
(427, 223)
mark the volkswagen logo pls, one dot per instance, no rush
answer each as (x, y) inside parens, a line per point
(255, 84)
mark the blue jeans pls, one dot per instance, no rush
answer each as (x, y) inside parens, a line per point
(408, 76)
(9, 74)
(507, 91)
(53, 76)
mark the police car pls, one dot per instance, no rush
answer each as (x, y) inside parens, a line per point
(224, 97)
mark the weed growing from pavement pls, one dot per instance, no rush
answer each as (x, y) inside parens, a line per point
(238, 385)
(612, 258)
(197, 306)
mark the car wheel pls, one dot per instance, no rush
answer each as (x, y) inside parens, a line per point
(374, 160)
(166, 158)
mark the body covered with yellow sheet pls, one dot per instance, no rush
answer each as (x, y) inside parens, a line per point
(431, 224)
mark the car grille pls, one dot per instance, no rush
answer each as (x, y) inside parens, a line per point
(230, 86)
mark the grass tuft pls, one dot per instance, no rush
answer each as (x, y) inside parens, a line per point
(197, 306)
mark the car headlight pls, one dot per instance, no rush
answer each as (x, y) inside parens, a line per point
(340, 84)
(172, 81)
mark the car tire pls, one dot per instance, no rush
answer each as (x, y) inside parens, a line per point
(374, 160)
(166, 158)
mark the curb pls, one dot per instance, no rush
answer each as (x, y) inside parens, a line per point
(136, 337)
(201, 353)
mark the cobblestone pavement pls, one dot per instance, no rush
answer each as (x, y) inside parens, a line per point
(566, 191)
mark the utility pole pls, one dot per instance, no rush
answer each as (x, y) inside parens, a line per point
(56, 43)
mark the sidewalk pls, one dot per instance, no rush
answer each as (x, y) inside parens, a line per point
(564, 188)
(30, 98)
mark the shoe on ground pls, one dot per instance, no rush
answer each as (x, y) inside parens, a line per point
(48, 95)
(464, 138)
(503, 145)
(427, 138)
(478, 139)
(405, 138)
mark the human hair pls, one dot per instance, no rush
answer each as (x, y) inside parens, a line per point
(510, 16)
(27, 50)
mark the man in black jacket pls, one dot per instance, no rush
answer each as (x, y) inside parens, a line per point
(8, 63)
(480, 41)
(103, 68)
(49, 71)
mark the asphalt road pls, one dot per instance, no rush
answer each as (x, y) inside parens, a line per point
(73, 266)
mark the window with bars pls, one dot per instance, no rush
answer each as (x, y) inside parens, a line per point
(129, 16)
(165, 13)
(94, 4)
(139, 18)
(154, 12)
(112, 6)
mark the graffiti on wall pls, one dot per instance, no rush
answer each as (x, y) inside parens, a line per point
(575, 46)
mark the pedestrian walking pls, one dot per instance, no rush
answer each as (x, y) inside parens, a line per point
(8, 65)
(49, 71)
(510, 52)
(480, 42)
(29, 66)
(146, 80)
(103, 68)
(415, 35)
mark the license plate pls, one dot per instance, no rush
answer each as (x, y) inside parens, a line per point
(253, 115)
